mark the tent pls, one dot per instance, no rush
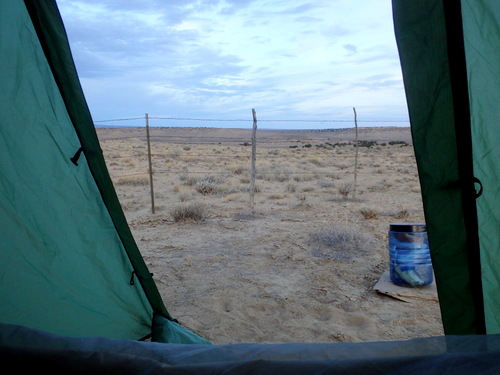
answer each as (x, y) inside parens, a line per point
(69, 262)
(75, 293)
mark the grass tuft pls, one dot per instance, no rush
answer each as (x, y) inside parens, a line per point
(208, 185)
(340, 242)
(189, 212)
(368, 213)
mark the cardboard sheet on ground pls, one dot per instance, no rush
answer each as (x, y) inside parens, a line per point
(406, 294)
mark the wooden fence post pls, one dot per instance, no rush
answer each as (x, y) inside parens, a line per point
(150, 167)
(356, 157)
(254, 150)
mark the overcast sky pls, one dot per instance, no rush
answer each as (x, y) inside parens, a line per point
(218, 59)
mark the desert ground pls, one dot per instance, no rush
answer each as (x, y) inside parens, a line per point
(301, 263)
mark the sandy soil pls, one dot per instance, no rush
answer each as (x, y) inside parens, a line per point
(300, 266)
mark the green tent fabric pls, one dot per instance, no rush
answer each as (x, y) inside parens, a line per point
(70, 265)
(482, 24)
(449, 57)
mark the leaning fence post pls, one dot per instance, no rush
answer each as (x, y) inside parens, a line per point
(356, 157)
(254, 150)
(150, 167)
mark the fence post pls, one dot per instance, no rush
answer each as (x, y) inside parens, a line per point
(150, 167)
(356, 157)
(254, 150)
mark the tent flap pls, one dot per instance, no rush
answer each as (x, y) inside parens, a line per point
(68, 254)
(449, 58)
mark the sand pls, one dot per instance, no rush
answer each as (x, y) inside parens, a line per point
(298, 266)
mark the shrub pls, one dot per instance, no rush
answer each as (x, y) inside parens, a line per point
(368, 213)
(188, 180)
(316, 162)
(340, 242)
(189, 212)
(344, 189)
(133, 181)
(403, 214)
(239, 170)
(402, 143)
(174, 154)
(208, 185)
(326, 184)
(367, 144)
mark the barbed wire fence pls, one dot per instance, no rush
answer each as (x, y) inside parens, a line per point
(158, 129)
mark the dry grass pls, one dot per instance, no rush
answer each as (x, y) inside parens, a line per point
(319, 172)
(279, 261)
(194, 212)
(368, 213)
(134, 181)
(345, 189)
(340, 242)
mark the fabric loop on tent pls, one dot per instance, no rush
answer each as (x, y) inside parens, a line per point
(480, 191)
(75, 158)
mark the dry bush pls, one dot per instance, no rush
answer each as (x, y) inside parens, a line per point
(415, 189)
(129, 163)
(188, 180)
(316, 162)
(174, 154)
(183, 197)
(380, 186)
(403, 214)
(326, 184)
(303, 177)
(275, 196)
(276, 173)
(344, 189)
(340, 242)
(368, 213)
(189, 212)
(238, 170)
(208, 185)
(133, 181)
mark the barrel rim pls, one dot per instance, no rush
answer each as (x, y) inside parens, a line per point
(407, 227)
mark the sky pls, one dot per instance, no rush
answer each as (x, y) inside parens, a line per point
(307, 63)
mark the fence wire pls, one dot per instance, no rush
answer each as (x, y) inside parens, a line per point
(135, 130)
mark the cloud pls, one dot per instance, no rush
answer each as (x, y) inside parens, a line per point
(218, 57)
(350, 48)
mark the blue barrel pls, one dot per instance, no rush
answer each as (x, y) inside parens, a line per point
(409, 255)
